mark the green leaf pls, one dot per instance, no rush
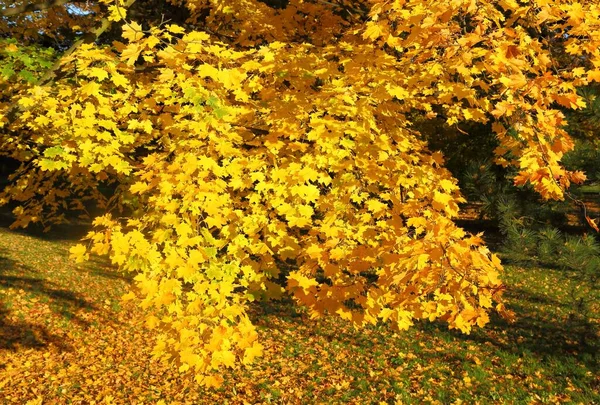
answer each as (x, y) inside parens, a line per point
(54, 151)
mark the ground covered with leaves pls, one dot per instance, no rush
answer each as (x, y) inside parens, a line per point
(66, 337)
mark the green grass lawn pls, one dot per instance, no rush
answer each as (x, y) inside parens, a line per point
(65, 337)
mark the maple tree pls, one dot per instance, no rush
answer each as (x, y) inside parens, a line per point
(241, 138)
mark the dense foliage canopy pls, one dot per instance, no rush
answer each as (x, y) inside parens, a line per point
(235, 147)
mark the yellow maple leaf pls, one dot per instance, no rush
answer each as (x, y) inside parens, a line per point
(206, 70)
(116, 13)
(189, 359)
(132, 31)
(186, 272)
(152, 322)
(373, 31)
(98, 73)
(441, 200)
(594, 75)
(376, 206)
(119, 80)
(128, 297)
(302, 281)
(138, 187)
(196, 257)
(131, 53)
(79, 253)
(211, 381)
(27, 102)
(256, 350)
(399, 92)
(314, 251)
(386, 313)
(224, 357)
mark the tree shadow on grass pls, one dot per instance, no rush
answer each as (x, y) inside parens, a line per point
(17, 333)
(533, 298)
(284, 308)
(14, 330)
(95, 266)
(533, 333)
(63, 232)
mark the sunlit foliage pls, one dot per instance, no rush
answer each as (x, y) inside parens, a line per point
(249, 138)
